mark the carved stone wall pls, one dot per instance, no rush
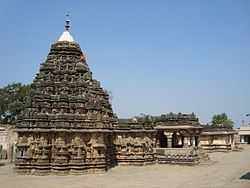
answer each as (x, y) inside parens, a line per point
(178, 155)
(68, 119)
(64, 152)
(218, 142)
(134, 147)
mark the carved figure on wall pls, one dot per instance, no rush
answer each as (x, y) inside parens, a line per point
(91, 150)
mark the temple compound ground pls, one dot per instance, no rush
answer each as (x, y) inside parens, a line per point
(226, 170)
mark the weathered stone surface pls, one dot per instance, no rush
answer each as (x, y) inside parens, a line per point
(134, 148)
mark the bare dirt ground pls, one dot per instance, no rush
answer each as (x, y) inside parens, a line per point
(225, 171)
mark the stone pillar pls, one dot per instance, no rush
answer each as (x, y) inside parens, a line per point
(170, 142)
(193, 141)
(242, 139)
(158, 142)
(14, 153)
(186, 142)
(233, 142)
(230, 139)
(169, 138)
(10, 152)
(179, 141)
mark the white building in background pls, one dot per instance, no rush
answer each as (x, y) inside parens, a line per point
(3, 138)
(8, 139)
(244, 133)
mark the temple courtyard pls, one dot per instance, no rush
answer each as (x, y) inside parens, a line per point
(225, 170)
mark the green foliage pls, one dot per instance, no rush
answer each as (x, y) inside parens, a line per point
(222, 120)
(145, 119)
(12, 100)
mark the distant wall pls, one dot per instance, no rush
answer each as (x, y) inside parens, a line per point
(217, 141)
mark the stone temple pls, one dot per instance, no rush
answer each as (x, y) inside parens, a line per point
(68, 125)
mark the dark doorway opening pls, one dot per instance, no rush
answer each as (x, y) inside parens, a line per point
(163, 140)
(196, 138)
(248, 139)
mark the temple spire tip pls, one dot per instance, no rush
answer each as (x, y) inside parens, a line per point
(67, 22)
(66, 36)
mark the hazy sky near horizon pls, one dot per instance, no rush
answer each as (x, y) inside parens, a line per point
(154, 56)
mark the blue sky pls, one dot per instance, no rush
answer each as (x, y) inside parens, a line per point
(154, 56)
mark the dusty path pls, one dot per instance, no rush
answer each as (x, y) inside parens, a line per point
(225, 172)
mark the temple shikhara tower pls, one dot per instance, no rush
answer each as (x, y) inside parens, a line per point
(68, 119)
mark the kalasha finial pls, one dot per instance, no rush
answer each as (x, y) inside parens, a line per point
(66, 36)
(67, 26)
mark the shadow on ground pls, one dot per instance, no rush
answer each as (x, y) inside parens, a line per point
(245, 176)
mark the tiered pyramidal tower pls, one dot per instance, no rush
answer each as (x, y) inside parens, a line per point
(67, 124)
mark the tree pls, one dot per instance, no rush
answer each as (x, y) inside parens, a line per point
(222, 120)
(12, 101)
